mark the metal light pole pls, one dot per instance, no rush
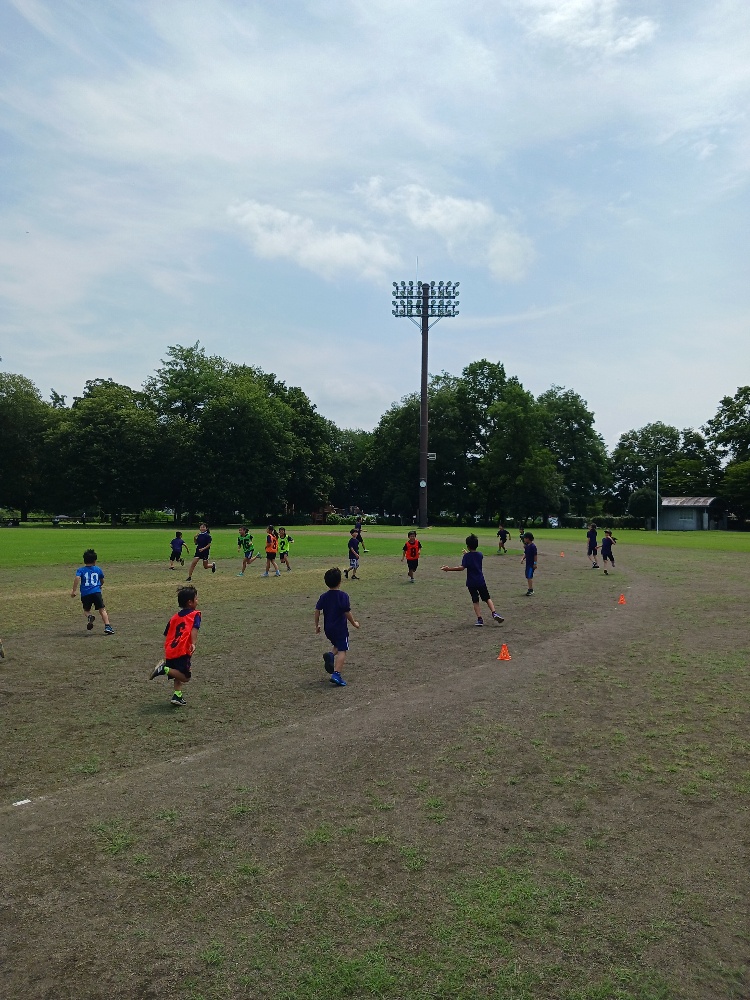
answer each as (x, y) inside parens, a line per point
(422, 303)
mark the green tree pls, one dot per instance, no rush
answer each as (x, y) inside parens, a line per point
(642, 502)
(736, 488)
(636, 456)
(729, 429)
(24, 417)
(103, 450)
(567, 431)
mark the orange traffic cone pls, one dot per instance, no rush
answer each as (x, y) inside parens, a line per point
(622, 599)
(562, 555)
(504, 654)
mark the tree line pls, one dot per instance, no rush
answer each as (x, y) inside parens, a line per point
(207, 437)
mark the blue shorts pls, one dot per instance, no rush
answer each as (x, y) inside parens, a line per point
(340, 642)
(353, 563)
(529, 572)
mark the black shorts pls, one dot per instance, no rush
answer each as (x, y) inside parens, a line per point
(181, 663)
(413, 565)
(92, 600)
(593, 550)
(175, 555)
(205, 556)
(477, 592)
(610, 557)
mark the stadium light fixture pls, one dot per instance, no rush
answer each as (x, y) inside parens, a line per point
(425, 304)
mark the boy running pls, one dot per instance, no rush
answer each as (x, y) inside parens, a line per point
(358, 526)
(178, 543)
(246, 547)
(353, 555)
(593, 548)
(529, 557)
(471, 564)
(334, 604)
(202, 551)
(411, 554)
(284, 542)
(91, 578)
(272, 547)
(180, 637)
(503, 535)
(607, 542)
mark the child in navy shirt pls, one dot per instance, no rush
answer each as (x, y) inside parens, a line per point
(607, 542)
(593, 548)
(91, 579)
(471, 564)
(178, 543)
(529, 557)
(334, 604)
(353, 555)
(202, 551)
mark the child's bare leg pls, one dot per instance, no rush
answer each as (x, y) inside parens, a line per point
(491, 606)
(477, 609)
(339, 658)
(104, 616)
(193, 564)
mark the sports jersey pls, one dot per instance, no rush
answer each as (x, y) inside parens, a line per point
(473, 563)
(177, 633)
(591, 535)
(411, 549)
(92, 578)
(284, 544)
(272, 544)
(178, 544)
(607, 546)
(202, 540)
(334, 604)
(530, 552)
(354, 547)
(245, 542)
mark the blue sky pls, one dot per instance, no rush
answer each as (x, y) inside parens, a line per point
(255, 175)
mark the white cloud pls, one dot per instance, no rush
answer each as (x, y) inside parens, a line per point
(276, 234)
(595, 25)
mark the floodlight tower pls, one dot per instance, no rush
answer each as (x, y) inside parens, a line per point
(425, 304)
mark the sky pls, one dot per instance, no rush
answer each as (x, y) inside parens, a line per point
(255, 175)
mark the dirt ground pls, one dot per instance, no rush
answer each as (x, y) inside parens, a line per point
(572, 823)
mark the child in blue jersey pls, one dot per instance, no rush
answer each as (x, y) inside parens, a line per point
(178, 543)
(503, 535)
(607, 542)
(471, 564)
(91, 578)
(353, 555)
(334, 604)
(592, 548)
(529, 557)
(202, 551)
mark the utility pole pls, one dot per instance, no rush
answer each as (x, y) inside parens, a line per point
(421, 303)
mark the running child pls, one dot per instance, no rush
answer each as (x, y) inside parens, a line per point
(529, 557)
(272, 547)
(353, 555)
(246, 547)
(358, 526)
(91, 579)
(503, 536)
(202, 551)
(180, 637)
(334, 604)
(284, 542)
(411, 554)
(593, 548)
(178, 543)
(471, 564)
(607, 542)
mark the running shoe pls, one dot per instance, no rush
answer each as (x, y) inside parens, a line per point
(2, 651)
(177, 699)
(108, 630)
(240, 574)
(479, 622)
(498, 618)
(159, 670)
(90, 622)
(213, 567)
(336, 678)
(264, 574)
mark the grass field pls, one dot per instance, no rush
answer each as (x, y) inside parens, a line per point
(570, 824)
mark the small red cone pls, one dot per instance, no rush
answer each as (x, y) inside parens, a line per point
(622, 599)
(562, 555)
(504, 654)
